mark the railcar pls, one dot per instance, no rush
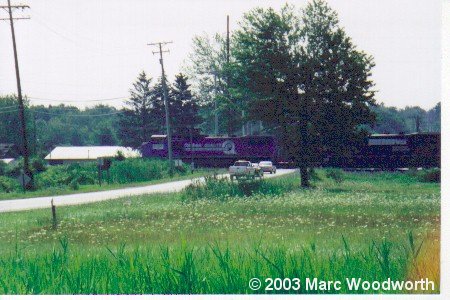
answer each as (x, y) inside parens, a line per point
(212, 151)
(383, 151)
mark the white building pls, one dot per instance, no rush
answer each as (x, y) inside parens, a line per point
(64, 155)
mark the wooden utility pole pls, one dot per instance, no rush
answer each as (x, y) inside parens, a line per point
(228, 39)
(23, 127)
(166, 102)
(230, 111)
(216, 113)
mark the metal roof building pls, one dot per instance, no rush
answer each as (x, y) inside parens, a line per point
(61, 155)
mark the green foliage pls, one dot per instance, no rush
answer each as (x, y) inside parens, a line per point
(67, 175)
(222, 188)
(314, 175)
(38, 165)
(138, 170)
(215, 269)
(3, 168)
(407, 120)
(428, 175)
(336, 174)
(120, 156)
(8, 184)
(14, 168)
(303, 69)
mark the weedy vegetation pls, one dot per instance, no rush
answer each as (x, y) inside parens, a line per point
(214, 237)
(64, 179)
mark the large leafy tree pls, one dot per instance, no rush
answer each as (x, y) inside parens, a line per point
(212, 77)
(307, 79)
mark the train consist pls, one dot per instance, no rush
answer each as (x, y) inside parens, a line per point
(386, 151)
(213, 151)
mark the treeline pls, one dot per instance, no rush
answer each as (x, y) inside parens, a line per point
(56, 125)
(406, 120)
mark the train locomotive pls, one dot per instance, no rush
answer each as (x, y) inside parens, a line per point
(383, 151)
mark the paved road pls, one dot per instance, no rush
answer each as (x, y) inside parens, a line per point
(74, 199)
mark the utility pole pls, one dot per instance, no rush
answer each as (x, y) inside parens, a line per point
(23, 127)
(166, 101)
(216, 113)
(230, 112)
(228, 39)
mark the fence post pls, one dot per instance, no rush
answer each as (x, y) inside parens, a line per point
(54, 222)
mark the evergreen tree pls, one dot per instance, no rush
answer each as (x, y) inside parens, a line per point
(184, 110)
(139, 119)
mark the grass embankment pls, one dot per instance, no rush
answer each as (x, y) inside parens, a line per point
(213, 239)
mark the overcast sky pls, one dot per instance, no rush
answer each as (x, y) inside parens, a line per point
(81, 50)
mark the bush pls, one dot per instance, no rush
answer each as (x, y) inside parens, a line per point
(14, 168)
(141, 169)
(222, 188)
(3, 168)
(430, 175)
(120, 156)
(67, 175)
(8, 185)
(336, 174)
(38, 165)
(313, 175)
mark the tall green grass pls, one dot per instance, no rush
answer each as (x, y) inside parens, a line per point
(214, 269)
(222, 188)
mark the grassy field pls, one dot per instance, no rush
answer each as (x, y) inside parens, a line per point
(214, 239)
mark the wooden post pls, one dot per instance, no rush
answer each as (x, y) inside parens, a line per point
(54, 222)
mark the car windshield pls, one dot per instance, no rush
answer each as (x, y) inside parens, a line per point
(241, 164)
(265, 163)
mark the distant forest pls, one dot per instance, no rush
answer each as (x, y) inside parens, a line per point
(50, 126)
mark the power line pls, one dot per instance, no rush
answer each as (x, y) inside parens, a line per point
(64, 115)
(9, 111)
(6, 107)
(75, 101)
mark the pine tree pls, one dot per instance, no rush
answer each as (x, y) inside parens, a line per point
(184, 109)
(138, 121)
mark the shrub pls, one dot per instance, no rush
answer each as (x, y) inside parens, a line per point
(141, 169)
(38, 165)
(67, 175)
(336, 174)
(74, 184)
(430, 175)
(120, 156)
(14, 168)
(8, 184)
(313, 175)
(3, 167)
(222, 188)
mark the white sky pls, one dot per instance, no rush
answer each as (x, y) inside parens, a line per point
(94, 49)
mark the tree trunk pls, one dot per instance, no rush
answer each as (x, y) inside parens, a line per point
(304, 177)
(305, 147)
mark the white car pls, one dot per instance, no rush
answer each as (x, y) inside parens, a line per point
(243, 169)
(267, 166)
